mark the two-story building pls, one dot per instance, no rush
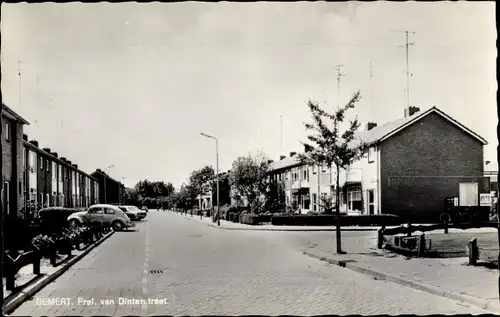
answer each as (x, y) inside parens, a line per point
(12, 155)
(412, 165)
(113, 191)
(54, 181)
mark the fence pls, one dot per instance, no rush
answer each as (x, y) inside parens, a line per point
(419, 244)
(15, 261)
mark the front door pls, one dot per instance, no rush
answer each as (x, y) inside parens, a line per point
(371, 201)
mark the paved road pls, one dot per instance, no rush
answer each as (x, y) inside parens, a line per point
(206, 271)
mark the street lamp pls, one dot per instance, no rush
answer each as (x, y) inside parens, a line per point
(105, 192)
(217, 172)
(122, 187)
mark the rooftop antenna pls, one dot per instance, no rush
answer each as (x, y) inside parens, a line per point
(339, 74)
(371, 87)
(281, 133)
(19, 72)
(408, 74)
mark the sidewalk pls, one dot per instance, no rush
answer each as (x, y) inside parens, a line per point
(450, 278)
(29, 284)
(228, 225)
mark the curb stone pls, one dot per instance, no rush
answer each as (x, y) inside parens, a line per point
(22, 296)
(283, 229)
(478, 302)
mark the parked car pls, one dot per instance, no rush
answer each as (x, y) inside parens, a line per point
(55, 217)
(107, 214)
(133, 212)
(145, 208)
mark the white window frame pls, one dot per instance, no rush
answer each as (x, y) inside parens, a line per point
(40, 162)
(351, 191)
(372, 151)
(7, 131)
(315, 201)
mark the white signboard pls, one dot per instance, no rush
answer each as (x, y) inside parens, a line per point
(485, 199)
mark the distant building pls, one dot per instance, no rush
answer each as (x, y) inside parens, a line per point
(413, 164)
(112, 191)
(209, 197)
(55, 181)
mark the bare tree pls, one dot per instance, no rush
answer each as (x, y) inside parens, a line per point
(331, 146)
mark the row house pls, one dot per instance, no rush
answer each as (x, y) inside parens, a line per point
(113, 191)
(12, 151)
(411, 167)
(55, 181)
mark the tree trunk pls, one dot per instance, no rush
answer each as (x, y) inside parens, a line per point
(337, 206)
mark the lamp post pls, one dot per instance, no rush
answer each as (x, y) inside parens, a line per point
(122, 187)
(105, 176)
(217, 172)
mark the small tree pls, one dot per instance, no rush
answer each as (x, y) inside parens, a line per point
(201, 178)
(327, 204)
(333, 147)
(275, 197)
(248, 177)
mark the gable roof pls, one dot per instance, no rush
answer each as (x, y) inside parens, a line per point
(9, 113)
(383, 132)
(289, 161)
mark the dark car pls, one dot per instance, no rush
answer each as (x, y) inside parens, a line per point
(55, 218)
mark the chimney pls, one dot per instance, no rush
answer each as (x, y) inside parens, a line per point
(34, 142)
(25, 137)
(99, 170)
(370, 125)
(55, 154)
(75, 166)
(63, 159)
(269, 161)
(292, 153)
(282, 157)
(68, 161)
(411, 111)
(46, 149)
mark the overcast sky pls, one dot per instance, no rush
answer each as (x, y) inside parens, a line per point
(133, 85)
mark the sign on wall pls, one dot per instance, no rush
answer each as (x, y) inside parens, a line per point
(485, 199)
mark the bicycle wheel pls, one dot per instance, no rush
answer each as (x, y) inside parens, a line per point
(465, 217)
(445, 218)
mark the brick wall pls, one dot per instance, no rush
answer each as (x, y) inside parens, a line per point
(433, 152)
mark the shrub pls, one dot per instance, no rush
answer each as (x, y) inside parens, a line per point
(42, 242)
(330, 220)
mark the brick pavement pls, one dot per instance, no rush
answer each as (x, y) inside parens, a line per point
(450, 275)
(210, 271)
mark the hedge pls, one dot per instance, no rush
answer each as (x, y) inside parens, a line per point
(253, 219)
(330, 220)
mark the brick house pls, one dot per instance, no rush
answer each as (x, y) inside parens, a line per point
(12, 145)
(52, 180)
(113, 191)
(413, 164)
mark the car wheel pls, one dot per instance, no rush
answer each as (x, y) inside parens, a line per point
(117, 226)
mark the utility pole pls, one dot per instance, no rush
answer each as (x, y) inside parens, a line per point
(2, 256)
(408, 74)
(339, 74)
